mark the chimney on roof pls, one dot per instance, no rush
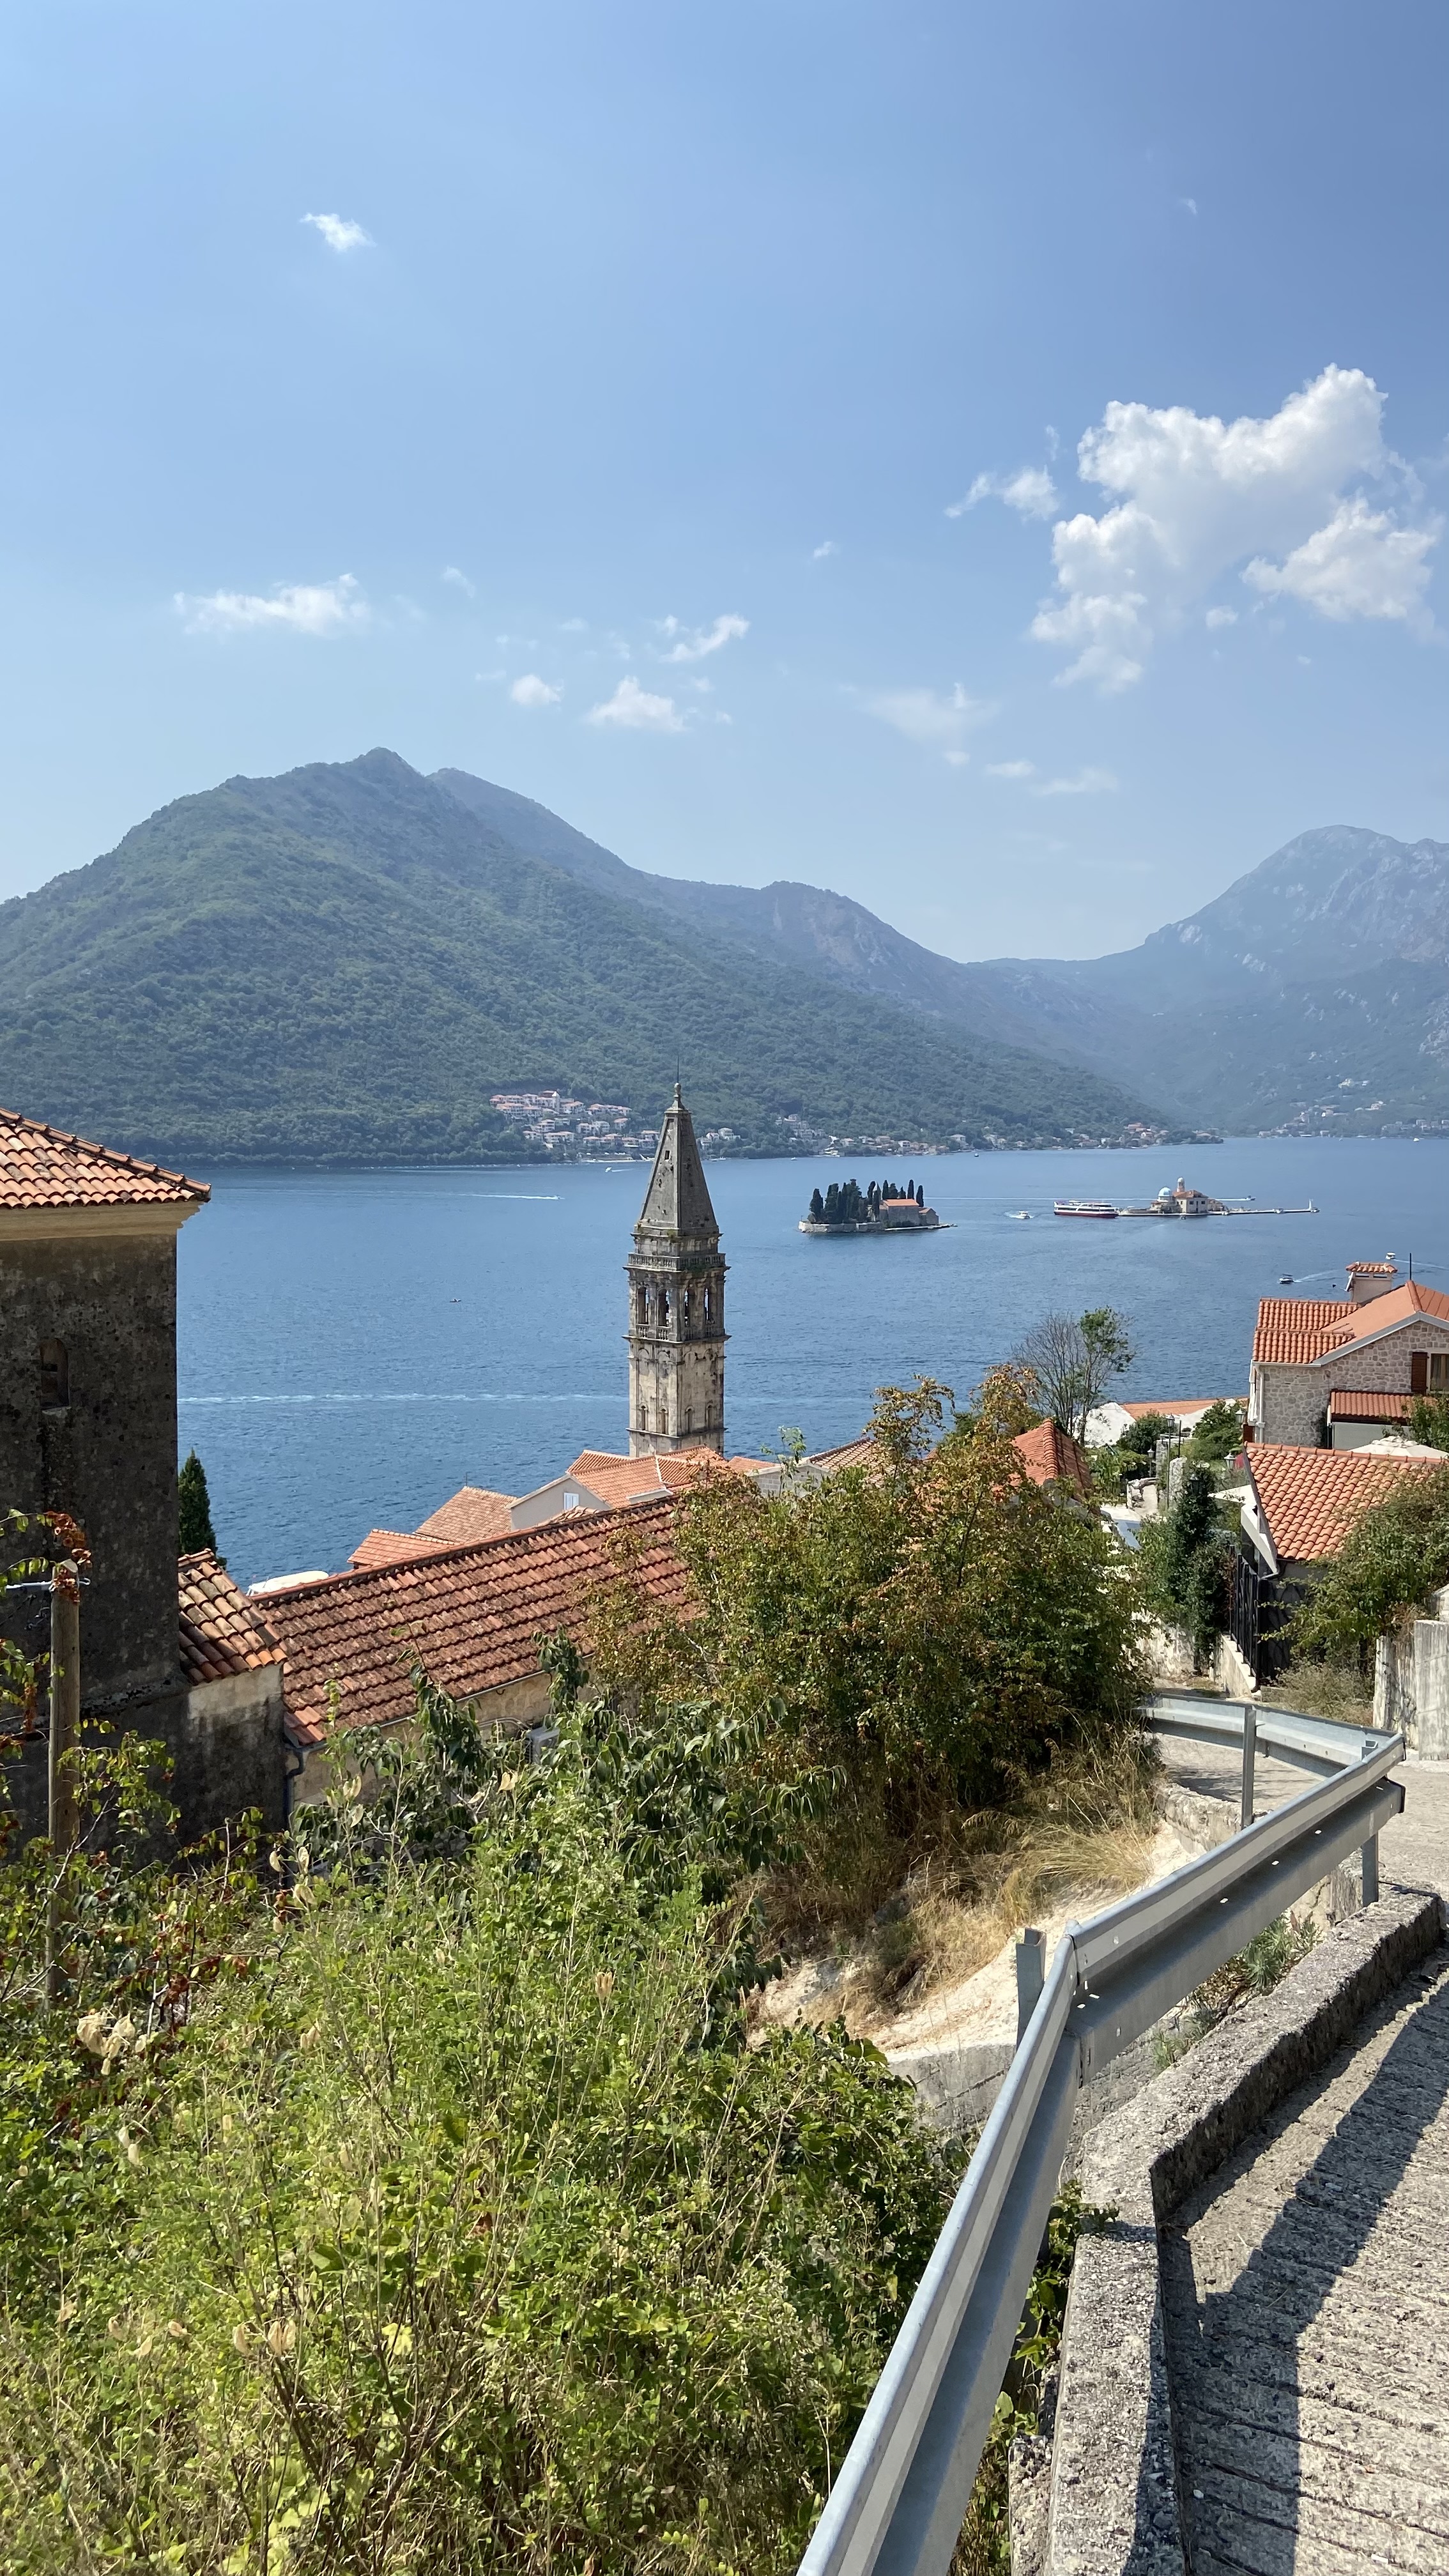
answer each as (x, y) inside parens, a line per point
(1370, 1279)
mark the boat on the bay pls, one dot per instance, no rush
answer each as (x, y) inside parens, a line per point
(1084, 1207)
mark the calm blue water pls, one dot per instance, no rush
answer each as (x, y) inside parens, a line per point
(355, 1346)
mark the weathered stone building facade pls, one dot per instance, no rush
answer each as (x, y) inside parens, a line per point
(88, 1427)
(1385, 1338)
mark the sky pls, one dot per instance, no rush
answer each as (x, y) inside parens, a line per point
(990, 461)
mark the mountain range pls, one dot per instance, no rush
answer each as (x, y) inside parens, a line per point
(344, 963)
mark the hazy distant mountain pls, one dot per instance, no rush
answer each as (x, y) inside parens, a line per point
(344, 963)
(1313, 992)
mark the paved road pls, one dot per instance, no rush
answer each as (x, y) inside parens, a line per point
(1307, 2294)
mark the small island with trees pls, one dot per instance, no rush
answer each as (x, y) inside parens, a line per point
(882, 1207)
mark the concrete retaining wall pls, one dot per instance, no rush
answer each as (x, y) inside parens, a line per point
(1114, 2508)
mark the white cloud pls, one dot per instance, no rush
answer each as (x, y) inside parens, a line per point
(638, 710)
(690, 644)
(574, 626)
(1030, 490)
(339, 232)
(1361, 565)
(531, 691)
(1217, 617)
(459, 580)
(1189, 204)
(1011, 769)
(1088, 782)
(316, 608)
(937, 723)
(829, 547)
(1200, 496)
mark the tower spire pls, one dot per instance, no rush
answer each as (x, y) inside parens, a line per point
(676, 1302)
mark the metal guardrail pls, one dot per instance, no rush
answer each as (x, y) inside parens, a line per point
(897, 2506)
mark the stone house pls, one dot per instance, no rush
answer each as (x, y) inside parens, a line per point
(1321, 1365)
(1300, 1506)
(88, 1427)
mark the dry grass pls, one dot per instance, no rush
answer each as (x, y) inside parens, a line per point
(1336, 1690)
(909, 1917)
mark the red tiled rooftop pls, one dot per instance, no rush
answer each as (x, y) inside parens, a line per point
(1173, 1407)
(629, 1480)
(1363, 1404)
(1310, 1498)
(1304, 1329)
(42, 1167)
(222, 1632)
(471, 1616)
(1050, 1456)
(392, 1547)
(473, 1513)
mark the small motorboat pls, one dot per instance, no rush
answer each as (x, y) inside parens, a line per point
(1021, 1216)
(1285, 1279)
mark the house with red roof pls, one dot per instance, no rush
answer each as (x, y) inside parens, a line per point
(1346, 1369)
(88, 1427)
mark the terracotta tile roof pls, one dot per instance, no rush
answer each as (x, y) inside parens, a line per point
(1305, 1329)
(472, 1616)
(1176, 1407)
(1300, 1328)
(619, 1480)
(851, 1453)
(42, 1167)
(1363, 1404)
(473, 1513)
(1050, 1456)
(222, 1632)
(1373, 1269)
(392, 1547)
(1310, 1498)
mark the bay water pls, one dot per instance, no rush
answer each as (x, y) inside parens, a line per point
(356, 1345)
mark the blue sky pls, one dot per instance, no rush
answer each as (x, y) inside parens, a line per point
(679, 417)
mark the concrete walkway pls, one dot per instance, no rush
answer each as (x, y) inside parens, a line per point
(1307, 2294)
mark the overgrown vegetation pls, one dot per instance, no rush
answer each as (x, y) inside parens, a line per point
(434, 2213)
(420, 2195)
(921, 1634)
(1132, 1457)
(1255, 1970)
(1390, 1561)
(1186, 1563)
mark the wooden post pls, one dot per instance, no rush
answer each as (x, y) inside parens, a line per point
(64, 1733)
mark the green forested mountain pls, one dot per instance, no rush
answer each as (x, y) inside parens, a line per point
(343, 963)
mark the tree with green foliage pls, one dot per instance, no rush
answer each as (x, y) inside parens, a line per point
(817, 1208)
(926, 1626)
(193, 1504)
(1134, 1455)
(1391, 1560)
(1074, 1360)
(1429, 1421)
(1186, 1559)
(1217, 1433)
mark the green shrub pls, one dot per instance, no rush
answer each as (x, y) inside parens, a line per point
(432, 2213)
(1391, 1560)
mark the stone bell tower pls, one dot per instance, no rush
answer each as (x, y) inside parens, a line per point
(676, 1303)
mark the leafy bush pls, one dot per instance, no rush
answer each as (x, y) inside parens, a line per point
(1429, 1421)
(1186, 1560)
(928, 1625)
(432, 2212)
(1218, 1433)
(1133, 1455)
(1391, 1560)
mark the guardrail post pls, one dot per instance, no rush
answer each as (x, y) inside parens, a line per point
(1030, 1977)
(1370, 1858)
(1250, 1762)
